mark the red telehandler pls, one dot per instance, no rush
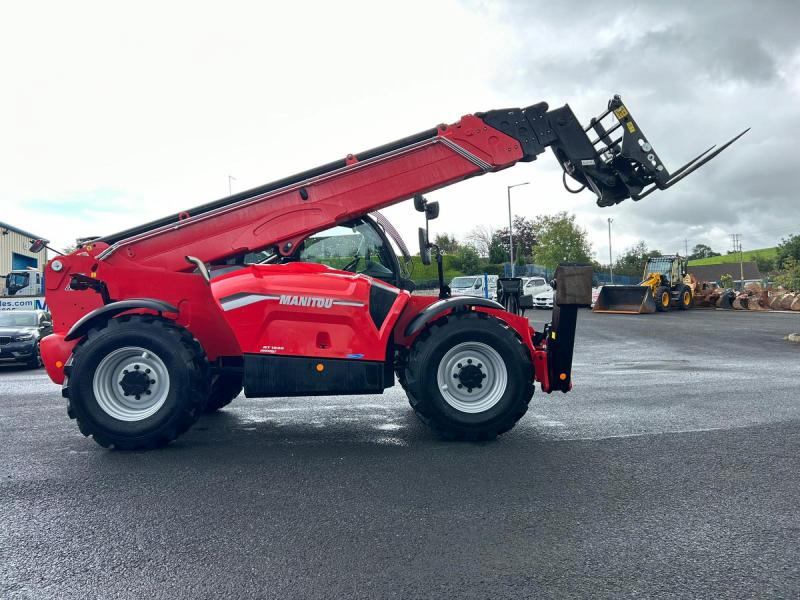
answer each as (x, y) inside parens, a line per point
(293, 289)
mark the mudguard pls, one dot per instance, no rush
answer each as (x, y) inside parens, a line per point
(432, 311)
(108, 311)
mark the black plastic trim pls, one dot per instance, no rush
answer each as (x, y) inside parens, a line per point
(270, 375)
(104, 313)
(434, 310)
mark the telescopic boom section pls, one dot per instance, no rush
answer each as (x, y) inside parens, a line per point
(282, 213)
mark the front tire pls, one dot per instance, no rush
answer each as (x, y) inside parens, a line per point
(36, 361)
(662, 298)
(137, 383)
(469, 377)
(685, 298)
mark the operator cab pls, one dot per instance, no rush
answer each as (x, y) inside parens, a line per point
(359, 246)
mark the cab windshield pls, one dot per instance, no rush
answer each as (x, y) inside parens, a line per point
(662, 267)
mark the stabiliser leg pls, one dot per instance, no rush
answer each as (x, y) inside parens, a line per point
(573, 289)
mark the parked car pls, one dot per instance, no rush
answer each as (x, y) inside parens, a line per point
(472, 285)
(533, 286)
(544, 299)
(20, 332)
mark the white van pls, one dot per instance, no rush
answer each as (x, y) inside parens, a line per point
(472, 285)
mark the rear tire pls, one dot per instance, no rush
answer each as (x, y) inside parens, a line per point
(224, 389)
(662, 298)
(137, 383)
(469, 377)
(685, 297)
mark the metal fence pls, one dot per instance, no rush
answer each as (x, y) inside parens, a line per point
(600, 278)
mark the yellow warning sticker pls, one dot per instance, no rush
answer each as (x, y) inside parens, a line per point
(631, 128)
(621, 112)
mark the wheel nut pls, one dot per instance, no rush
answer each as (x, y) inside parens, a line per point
(469, 361)
(459, 365)
(455, 375)
(152, 381)
(469, 390)
(483, 375)
(125, 372)
(460, 386)
(136, 367)
(148, 392)
(147, 370)
(480, 366)
(138, 397)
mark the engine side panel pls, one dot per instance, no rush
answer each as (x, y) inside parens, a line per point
(305, 309)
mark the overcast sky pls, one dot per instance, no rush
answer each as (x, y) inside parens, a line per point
(113, 114)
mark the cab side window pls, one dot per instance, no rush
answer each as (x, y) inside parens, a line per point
(355, 247)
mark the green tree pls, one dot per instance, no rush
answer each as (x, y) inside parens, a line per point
(765, 263)
(789, 277)
(497, 253)
(447, 243)
(702, 251)
(788, 248)
(524, 237)
(634, 259)
(467, 260)
(726, 281)
(560, 239)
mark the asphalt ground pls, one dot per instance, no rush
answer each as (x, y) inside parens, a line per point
(671, 471)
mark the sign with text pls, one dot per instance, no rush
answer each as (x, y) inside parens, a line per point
(23, 303)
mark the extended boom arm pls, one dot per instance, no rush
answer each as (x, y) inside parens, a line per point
(284, 212)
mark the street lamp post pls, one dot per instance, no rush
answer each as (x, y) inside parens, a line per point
(610, 261)
(510, 225)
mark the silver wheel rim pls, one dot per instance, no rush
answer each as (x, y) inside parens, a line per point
(453, 387)
(111, 396)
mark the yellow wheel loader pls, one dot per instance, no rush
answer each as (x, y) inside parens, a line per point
(665, 285)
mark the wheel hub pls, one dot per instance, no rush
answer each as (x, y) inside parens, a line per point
(131, 383)
(471, 376)
(136, 382)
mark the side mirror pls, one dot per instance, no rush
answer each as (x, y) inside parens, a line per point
(37, 246)
(424, 247)
(419, 203)
(431, 210)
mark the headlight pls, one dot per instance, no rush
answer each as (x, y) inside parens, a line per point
(23, 337)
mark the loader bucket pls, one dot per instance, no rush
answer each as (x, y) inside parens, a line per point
(625, 299)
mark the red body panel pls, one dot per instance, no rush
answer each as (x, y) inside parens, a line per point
(305, 309)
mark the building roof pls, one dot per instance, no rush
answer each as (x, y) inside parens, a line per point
(27, 234)
(715, 272)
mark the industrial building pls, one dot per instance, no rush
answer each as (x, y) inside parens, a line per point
(14, 253)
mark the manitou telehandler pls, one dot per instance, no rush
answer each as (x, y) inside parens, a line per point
(293, 289)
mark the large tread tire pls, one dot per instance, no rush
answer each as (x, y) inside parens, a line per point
(188, 391)
(420, 377)
(684, 301)
(225, 387)
(658, 297)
